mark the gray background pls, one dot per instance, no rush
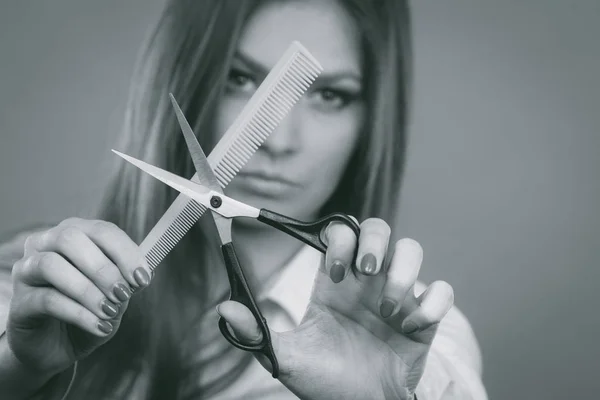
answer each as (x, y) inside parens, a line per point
(502, 185)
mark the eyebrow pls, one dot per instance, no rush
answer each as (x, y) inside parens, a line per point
(262, 70)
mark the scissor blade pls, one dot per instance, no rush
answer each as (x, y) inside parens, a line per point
(193, 190)
(227, 207)
(206, 176)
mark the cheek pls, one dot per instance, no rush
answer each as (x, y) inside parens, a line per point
(227, 111)
(332, 141)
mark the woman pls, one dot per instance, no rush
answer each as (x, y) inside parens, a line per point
(363, 335)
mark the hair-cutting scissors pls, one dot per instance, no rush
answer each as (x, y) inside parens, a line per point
(209, 194)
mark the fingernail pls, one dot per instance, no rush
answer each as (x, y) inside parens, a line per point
(409, 327)
(109, 308)
(387, 307)
(121, 292)
(141, 277)
(337, 272)
(368, 263)
(105, 327)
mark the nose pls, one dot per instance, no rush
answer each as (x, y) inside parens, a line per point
(285, 139)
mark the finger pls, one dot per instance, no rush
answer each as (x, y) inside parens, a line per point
(43, 269)
(401, 276)
(50, 302)
(434, 304)
(32, 243)
(123, 251)
(341, 244)
(242, 322)
(75, 246)
(372, 245)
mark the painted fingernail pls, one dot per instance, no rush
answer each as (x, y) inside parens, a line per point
(105, 327)
(109, 308)
(141, 277)
(337, 272)
(368, 263)
(409, 327)
(387, 308)
(121, 292)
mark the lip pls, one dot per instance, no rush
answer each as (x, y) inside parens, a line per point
(267, 177)
(265, 185)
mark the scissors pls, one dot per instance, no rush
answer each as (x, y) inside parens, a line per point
(209, 194)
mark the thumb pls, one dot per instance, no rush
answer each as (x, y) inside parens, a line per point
(241, 321)
(244, 327)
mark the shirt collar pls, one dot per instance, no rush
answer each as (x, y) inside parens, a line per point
(293, 287)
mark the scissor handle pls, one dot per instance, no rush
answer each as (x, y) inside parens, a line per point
(240, 292)
(308, 232)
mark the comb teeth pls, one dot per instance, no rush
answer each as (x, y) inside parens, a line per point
(287, 81)
(175, 231)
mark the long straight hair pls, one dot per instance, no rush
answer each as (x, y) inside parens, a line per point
(189, 54)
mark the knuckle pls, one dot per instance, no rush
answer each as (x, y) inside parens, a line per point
(371, 221)
(103, 271)
(376, 227)
(30, 264)
(66, 236)
(376, 236)
(375, 223)
(444, 289)
(85, 291)
(32, 241)
(68, 221)
(50, 303)
(18, 269)
(101, 226)
(71, 221)
(408, 244)
(44, 261)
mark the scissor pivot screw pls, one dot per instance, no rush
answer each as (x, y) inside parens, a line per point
(216, 201)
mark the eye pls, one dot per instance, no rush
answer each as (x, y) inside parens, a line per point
(332, 98)
(240, 81)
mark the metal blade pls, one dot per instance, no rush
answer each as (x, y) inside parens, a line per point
(205, 174)
(226, 206)
(197, 192)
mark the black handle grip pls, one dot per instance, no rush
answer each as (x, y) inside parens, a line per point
(240, 292)
(308, 232)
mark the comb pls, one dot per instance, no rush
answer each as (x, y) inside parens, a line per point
(287, 81)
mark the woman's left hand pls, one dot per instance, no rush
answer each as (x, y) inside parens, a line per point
(365, 337)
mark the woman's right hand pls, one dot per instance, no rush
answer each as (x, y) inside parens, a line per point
(70, 291)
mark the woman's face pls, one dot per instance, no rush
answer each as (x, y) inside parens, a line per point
(298, 167)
